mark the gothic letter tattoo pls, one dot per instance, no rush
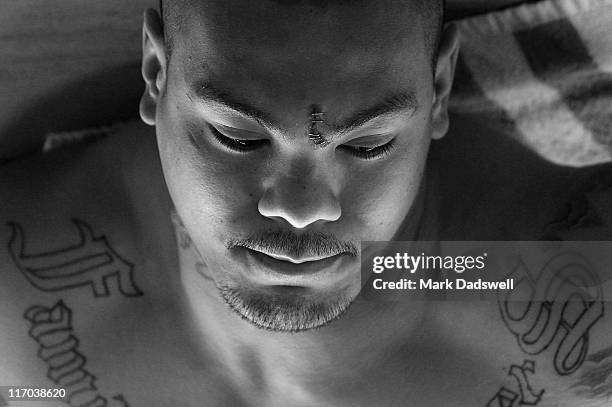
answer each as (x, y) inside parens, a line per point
(90, 262)
(565, 301)
(51, 328)
(525, 396)
(528, 395)
(503, 398)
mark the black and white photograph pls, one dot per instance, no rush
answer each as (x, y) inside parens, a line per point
(305, 203)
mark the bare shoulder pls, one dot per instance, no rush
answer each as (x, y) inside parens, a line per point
(49, 198)
(71, 261)
(78, 188)
(69, 197)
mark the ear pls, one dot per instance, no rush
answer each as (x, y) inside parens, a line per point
(443, 81)
(153, 65)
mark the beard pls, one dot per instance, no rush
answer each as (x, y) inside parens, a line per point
(279, 309)
(284, 312)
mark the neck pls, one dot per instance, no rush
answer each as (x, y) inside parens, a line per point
(300, 365)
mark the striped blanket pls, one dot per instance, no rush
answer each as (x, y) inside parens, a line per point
(542, 73)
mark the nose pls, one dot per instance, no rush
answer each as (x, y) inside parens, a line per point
(301, 196)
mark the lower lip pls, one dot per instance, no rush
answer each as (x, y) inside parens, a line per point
(280, 272)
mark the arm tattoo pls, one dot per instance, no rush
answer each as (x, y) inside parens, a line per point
(91, 262)
(52, 329)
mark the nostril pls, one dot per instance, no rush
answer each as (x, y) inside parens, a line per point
(300, 209)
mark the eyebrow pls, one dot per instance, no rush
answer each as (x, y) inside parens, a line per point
(207, 92)
(405, 101)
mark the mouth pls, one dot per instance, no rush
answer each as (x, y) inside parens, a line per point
(294, 259)
(288, 270)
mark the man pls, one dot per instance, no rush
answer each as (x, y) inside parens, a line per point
(286, 133)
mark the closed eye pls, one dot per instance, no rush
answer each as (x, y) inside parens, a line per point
(236, 144)
(363, 149)
(369, 152)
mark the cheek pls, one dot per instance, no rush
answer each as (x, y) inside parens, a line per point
(205, 187)
(381, 198)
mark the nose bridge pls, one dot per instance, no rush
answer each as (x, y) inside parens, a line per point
(301, 191)
(303, 170)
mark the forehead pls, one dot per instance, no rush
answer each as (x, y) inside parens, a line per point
(302, 52)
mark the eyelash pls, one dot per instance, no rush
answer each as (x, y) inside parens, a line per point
(240, 146)
(245, 146)
(371, 153)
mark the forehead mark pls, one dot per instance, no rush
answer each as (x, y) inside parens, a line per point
(314, 134)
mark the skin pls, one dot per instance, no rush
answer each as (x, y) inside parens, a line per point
(288, 185)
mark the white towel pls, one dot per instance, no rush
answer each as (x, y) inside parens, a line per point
(542, 73)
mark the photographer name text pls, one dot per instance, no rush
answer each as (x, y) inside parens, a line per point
(411, 264)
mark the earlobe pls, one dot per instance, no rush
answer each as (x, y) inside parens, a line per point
(443, 82)
(153, 65)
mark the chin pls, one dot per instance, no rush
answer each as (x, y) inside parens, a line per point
(285, 309)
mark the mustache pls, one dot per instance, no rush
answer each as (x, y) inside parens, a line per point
(312, 244)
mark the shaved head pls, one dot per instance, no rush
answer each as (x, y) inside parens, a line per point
(431, 12)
